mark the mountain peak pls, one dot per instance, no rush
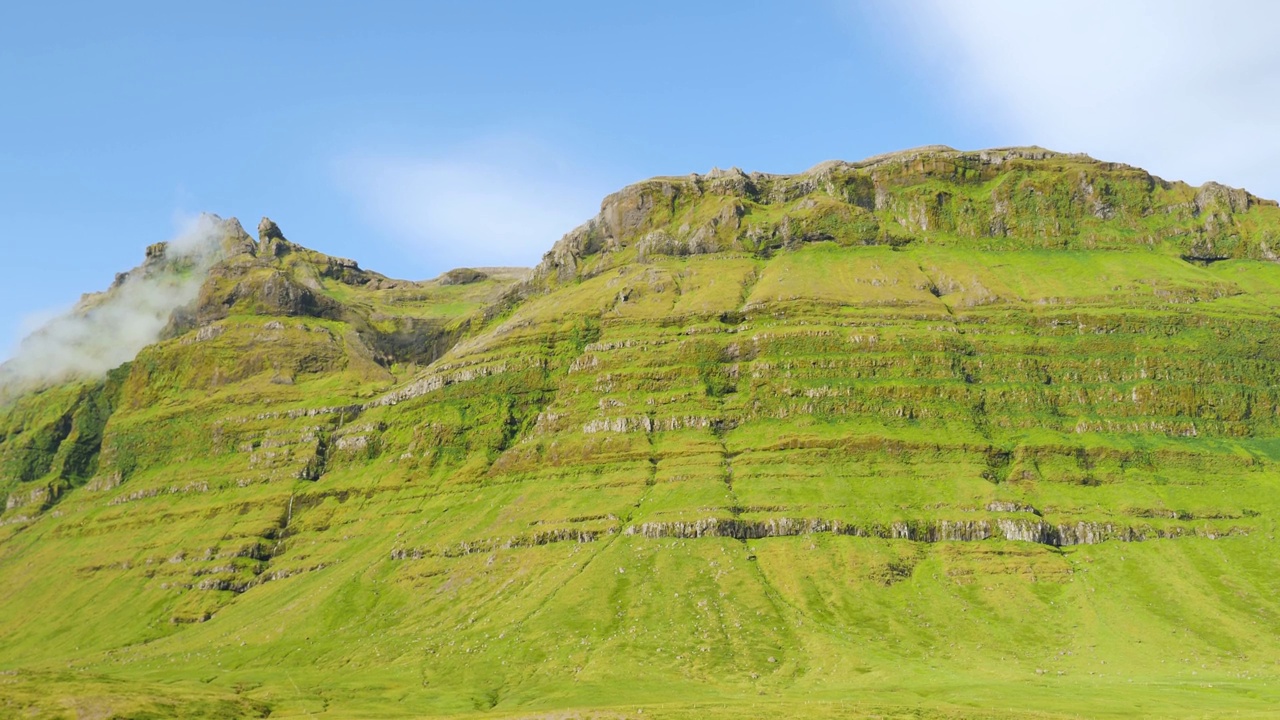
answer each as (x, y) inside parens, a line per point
(999, 198)
(269, 230)
(740, 434)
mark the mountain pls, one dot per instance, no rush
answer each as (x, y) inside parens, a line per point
(937, 434)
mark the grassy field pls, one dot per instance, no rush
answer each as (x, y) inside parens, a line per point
(932, 479)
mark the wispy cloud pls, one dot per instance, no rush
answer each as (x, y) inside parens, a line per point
(106, 330)
(1186, 89)
(498, 202)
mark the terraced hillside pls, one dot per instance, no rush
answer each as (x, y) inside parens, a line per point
(938, 434)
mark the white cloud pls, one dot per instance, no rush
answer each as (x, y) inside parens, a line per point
(105, 331)
(500, 202)
(1188, 90)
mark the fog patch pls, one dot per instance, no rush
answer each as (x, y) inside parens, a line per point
(106, 330)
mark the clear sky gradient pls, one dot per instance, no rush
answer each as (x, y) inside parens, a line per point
(420, 136)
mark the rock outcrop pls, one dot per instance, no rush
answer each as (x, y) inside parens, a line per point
(1001, 198)
(750, 439)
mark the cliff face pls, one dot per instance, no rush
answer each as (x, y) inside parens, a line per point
(1010, 198)
(933, 425)
(201, 303)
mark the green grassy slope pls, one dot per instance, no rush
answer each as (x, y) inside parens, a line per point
(812, 459)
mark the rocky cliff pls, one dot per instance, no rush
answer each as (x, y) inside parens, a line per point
(973, 434)
(1008, 198)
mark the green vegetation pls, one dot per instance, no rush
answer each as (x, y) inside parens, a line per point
(741, 446)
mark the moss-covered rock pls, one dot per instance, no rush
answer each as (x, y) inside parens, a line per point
(929, 432)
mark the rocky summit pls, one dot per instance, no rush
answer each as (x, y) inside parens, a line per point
(937, 434)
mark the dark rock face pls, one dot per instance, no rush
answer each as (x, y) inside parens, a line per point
(1213, 196)
(274, 293)
(269, 230)
(348, 272)
(411, 340)
(236, 240)
(156, 252)
(281, 295)
(271, 241)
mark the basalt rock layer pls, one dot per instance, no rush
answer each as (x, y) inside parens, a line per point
(972, 434)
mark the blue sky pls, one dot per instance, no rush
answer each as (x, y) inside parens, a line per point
(419, 136)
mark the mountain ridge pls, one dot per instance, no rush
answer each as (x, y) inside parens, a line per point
(609, 231)
(829, 444)
(872, 212)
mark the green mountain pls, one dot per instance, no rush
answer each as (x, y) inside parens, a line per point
(937, 434)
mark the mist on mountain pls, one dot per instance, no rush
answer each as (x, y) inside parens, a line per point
(104, 330)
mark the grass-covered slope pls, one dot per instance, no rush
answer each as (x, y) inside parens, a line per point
(805, 457)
